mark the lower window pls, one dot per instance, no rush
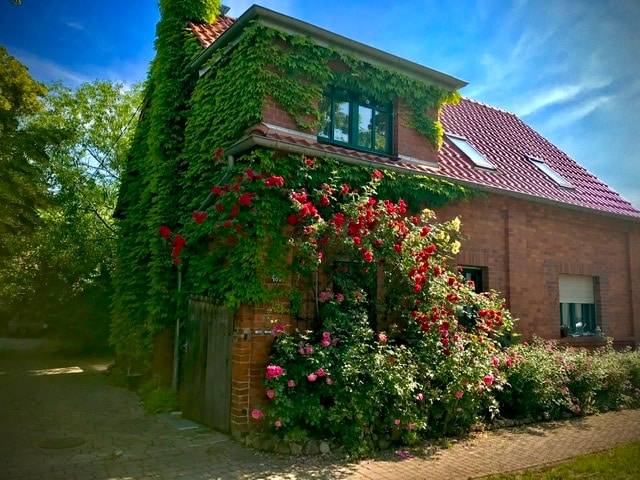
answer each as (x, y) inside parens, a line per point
(577, 306)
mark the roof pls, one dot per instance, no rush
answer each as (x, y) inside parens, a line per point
(207, 33)
(506, 141)
(500, 136)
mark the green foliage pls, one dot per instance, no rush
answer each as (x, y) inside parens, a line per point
(170, 163)
(145, 291)
(62, 271)
(427, 373)
(23, 157)
(547, 381)
(253, 244)
(157, 399)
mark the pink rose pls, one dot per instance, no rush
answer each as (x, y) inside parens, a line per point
(312, 377)
(308, 350)
(459, 394)
(325, 343)
(329, 381)
(278, 423)
(410, 426)
(278, 328)
(420, 397)
(488, 380)
(271, 393)
(274, 371)
(256, 414)
(340, 297)
(326, 335)
(496, 361)
(291, 383)
(396, 422)
(320, 372)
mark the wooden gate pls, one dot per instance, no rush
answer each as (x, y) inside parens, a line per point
(206, 381)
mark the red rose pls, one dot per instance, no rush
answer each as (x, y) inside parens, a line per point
(199, 217)
(245, 199)
(292, 219)
(165, 232)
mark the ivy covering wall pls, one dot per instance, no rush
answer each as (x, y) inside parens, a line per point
(172, 167)
(145, 299)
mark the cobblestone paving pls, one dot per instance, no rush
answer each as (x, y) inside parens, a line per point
(49, 402)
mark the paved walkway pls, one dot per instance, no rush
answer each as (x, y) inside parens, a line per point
(60, 420)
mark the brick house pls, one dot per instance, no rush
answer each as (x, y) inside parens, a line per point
(562, 247)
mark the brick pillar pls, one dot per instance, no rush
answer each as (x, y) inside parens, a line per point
(251, 348)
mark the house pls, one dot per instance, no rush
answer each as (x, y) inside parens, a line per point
(561, 246)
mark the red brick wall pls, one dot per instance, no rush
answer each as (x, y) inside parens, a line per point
(407, 140)
(250, 358)
(526, 245)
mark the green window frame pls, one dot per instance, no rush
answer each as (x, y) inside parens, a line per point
(356, 122)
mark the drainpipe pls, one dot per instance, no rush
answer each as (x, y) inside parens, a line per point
(176, 337)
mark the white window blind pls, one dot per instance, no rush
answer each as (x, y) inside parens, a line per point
(576, 289)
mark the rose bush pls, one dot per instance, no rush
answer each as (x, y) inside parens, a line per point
(431, 371)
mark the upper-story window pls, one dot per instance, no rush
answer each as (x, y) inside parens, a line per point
(357, 122)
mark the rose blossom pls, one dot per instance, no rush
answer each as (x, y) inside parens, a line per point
(420, 396)
(274, 371)
(459, 394)
(396, 422)
(271, 393)
(312, 377)
(256, 414)
(488, 379)
(291, 383)
(320, 372)
(278, 423)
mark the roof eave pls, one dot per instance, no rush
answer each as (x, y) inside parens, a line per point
(329, 39)
(251, 141)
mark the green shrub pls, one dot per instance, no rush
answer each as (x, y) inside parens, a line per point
(545, 380)
(156, 399)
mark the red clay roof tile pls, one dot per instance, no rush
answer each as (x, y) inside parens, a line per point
(207, 33)
(506, 141)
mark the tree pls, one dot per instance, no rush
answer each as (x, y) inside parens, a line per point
(23, 187)
(65, 268)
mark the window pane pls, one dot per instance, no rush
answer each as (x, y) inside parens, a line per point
(341, 121)
(382, 130)
(325, 117)
(365, 128)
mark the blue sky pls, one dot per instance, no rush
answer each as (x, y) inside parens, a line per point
(568, 68)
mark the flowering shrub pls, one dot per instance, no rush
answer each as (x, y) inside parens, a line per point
(433, 368)
(548, 381)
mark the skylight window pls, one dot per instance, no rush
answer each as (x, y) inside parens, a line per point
(550, 172)
(474, 155)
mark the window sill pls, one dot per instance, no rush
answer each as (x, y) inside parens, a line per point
(584, 340)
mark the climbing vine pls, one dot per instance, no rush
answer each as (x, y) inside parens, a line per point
(172, 166)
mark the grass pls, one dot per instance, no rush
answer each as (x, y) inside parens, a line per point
(621, 463)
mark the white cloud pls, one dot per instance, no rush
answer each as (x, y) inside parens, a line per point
(47, 71)
(75, 25)
(576, 112)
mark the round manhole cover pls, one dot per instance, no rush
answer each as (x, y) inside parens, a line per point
(62, 442)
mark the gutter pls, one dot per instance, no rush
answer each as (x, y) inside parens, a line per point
(251, 141)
